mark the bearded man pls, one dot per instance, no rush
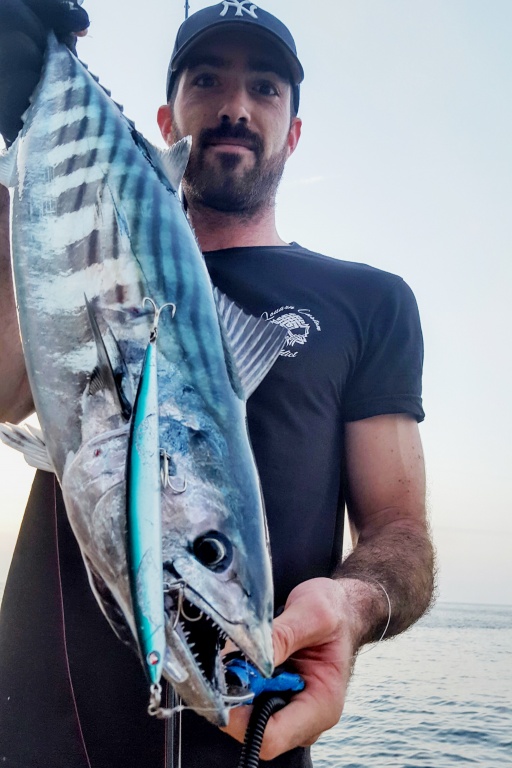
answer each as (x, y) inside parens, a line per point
(334, 423)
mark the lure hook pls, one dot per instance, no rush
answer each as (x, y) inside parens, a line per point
(155, 700)
(164, 474)
(180, 586)
(178, 491)
(158, 311)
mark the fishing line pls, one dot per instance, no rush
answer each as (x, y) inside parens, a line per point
(165, 713)
(180, 741)
(174, 734)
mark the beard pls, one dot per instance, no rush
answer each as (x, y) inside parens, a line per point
(232, 190)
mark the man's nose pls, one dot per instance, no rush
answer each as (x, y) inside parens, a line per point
(235, 107)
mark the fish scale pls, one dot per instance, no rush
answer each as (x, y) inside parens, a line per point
(96, 227)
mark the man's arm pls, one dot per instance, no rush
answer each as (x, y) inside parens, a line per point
(15, 396)
(326, 621)
(387, 513)
(23, 32)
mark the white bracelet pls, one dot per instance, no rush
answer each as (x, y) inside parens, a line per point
(370, 578)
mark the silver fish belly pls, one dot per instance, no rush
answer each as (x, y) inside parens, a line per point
(96, 227)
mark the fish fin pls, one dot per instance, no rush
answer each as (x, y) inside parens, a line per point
(173, 161)
(8, 167)
(251, 344)
(99, 381)
(109, 373)
(29, 441)
(122, 376)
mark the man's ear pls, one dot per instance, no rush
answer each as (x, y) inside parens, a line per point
(164, 118)
(294, 135)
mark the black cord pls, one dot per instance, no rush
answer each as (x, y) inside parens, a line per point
(264, 707)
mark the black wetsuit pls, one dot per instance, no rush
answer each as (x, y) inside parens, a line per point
(71, 695)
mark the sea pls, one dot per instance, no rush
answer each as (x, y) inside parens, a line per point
(438, 696)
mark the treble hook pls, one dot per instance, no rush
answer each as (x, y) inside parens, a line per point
(158, 312)
(180, 586)
(178, 491)
(164, 474)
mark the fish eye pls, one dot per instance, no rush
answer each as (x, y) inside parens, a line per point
(214, 551)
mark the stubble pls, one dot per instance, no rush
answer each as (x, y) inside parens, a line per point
(223, 185)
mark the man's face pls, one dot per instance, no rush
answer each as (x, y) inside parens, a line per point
(234, 99)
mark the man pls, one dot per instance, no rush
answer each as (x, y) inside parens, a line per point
(334, 421)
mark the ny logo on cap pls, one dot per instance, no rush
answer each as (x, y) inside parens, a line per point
(240, 6)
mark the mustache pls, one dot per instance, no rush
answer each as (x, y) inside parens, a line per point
(228, 131)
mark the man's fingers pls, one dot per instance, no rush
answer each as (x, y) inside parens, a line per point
(298, 724)
(293, 726)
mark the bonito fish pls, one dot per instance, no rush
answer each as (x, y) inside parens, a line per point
(142, 406)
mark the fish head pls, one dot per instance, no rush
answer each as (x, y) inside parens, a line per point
(217, 576)
(216, 581)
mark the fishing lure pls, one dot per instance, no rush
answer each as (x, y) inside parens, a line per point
(144, 527)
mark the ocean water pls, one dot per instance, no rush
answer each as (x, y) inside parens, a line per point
(438, 696)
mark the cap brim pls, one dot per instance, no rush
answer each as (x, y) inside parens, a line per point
(292, 61)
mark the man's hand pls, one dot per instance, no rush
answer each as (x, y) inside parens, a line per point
(23, 30)
(317, 635)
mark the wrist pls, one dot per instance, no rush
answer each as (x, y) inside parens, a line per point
(367, 608)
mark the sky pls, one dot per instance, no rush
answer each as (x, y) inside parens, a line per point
(405, 163)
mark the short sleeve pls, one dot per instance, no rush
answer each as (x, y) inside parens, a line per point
(387, 376)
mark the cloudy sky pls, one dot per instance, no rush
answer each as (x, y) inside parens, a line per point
(405, 163)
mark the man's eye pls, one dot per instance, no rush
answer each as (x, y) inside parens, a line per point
(204, 81)
(266, 88)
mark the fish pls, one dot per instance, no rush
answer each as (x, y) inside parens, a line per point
(142, 408)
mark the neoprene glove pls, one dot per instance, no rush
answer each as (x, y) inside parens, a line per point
(24, 25)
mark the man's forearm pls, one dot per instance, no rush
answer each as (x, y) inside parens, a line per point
(4, 217)
(400, 558)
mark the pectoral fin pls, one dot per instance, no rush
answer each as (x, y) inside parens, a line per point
(111, 371)
(29, 441)
(8, 167)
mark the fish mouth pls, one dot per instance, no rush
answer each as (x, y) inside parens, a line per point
(194, 663)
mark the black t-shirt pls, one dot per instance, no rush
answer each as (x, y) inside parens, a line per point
(71, 695)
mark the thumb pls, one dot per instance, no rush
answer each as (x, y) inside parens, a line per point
(310, 618)
(286, 636)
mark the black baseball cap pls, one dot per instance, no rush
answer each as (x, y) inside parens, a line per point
(238, 15)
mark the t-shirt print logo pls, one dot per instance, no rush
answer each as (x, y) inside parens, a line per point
(298, 322)
(240, 6)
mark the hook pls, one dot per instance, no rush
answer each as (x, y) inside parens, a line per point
(178, 491)
(180, 586)
(158, 312)
(164, 474)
